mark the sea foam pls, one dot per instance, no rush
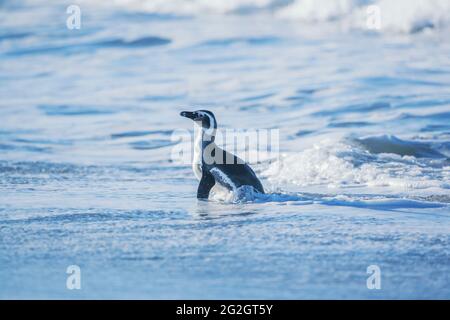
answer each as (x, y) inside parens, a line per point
(364, 162)
(400, 16)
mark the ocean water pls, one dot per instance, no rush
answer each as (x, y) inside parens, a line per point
(87, 176)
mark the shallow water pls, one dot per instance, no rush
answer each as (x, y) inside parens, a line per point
(87, 178)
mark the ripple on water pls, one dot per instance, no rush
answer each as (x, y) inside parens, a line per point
(73, 110)
(130, 134)
(152, 144)
(266, 40)
(14, 35)
(350, 124)
(136, 43)
(356, 108)
(22, 147)
(96, 215)
(83, 47)
(445, 128)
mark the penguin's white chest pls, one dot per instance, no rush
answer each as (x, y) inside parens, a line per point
(197, 161)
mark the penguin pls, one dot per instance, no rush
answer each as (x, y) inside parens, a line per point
(213, 165)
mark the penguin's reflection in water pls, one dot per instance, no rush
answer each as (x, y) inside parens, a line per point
(209, 210)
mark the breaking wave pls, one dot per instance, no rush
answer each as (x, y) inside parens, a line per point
(377, 172)
(376, 161)
(405, 16)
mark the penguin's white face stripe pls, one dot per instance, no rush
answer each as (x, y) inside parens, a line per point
(212, 123)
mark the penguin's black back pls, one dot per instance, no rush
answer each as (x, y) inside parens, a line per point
(236, 170)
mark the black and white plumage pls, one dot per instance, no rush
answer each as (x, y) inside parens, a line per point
(213, 165)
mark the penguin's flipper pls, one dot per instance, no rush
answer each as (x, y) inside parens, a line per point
(206, 183)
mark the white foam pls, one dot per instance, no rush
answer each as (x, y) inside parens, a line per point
(245, 194)
(414, 15)
(404, 16)
(193, 7)
(342, 165)
(316, 10)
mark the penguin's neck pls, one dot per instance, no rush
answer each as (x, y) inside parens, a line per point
(202, 140)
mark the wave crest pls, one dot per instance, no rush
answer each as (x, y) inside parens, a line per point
(404, 16)
(381, 161)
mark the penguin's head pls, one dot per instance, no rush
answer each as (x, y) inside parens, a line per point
(203, 118)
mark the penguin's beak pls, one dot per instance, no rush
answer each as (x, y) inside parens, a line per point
(188, 114)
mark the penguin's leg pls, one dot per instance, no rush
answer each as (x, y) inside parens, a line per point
(206, 183)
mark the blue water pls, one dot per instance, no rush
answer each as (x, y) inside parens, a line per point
(87, 178)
